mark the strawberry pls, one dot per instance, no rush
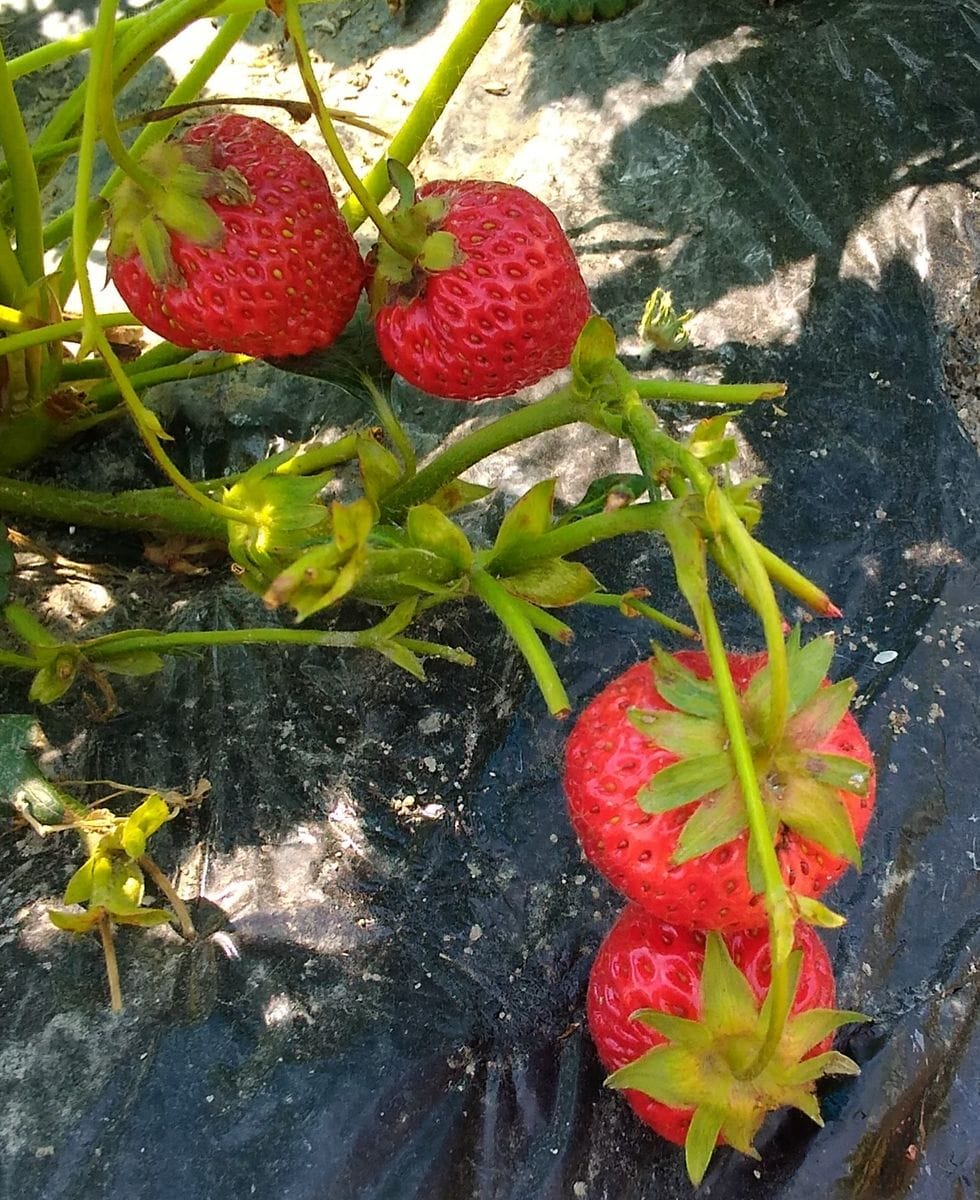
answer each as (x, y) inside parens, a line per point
(677, 1017)
(240, 247)
(653, 796)
(492, 302)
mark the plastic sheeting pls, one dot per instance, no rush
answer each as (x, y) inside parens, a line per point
(390, 1001)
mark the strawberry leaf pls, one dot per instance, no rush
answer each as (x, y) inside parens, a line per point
(682, 689)
(529, 517)
(432, 530)
(811, 1027)
(702, 1137)
(83, 922)
(821, 714)
(137, 662)
(839, 771)
(21, 783)
(815, 913)
(142, 823)
(728, 1005)
(667, 1073)
(684, 781)
(611, 491)
(815, 811)
(678, 732)
(79, 889)
(456, 494)
(144, 917)
(831, 1063)
(691, 1035)
(54, 679)
(552, 583)
(719, 819)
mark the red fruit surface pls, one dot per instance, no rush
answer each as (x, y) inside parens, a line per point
(644, 963)
(506, 317)
(286, 278)
(607, 761)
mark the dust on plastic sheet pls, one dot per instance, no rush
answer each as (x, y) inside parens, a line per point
(390, 1001)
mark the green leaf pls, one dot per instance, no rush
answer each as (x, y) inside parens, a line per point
(552, 583)
(718, 819)
(839, 771)
(142, 823)
(692, 1035)
(84, 922)
(808, 666)
(402, 657)
(117, 884)
(679, 732)
(21, 783)
(709, 443)
(815, 913)
(811, 1027)
(702, 1137)
(144, 917)
(684, 781)
(54, 679)
(831, 1063)
(821, 714)
(666, 1073)
(137, 662)
(456, 494)
(27, 627)
(79, 889)
(815, 811)
(682, 689)
(529, 517)
(595, 347)
(6, 562)
(728, 1004)
(432, 530)
(611, 491)
(380, 470)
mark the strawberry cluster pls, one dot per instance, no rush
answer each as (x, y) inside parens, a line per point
(236, 243)
(678, 1003)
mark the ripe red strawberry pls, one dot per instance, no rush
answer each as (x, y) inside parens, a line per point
(653, 797)
(675, 1015)
(243, 249)
(490, 310)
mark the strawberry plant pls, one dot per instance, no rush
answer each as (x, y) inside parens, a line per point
(719, 791)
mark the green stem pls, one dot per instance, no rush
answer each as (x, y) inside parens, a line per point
(510, 615)
(115, 645)
(26, 193)
(156, 511)
(435, 650)
(577, 535)
(436, 94)
(111, 962)
(19, 662)
(630, 602)
(778, 908)
(146, 423)
(796, 584)
(169, 893)
(563, 407)
(12, 281)
(393, 428)
(109, 390)
(707, 393)
(653, 442)
(294, 25)
(63, 331)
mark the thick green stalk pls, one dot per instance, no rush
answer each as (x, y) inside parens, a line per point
(157, 511)
(563, 407)
(508, 612)
(436, 94)
(707, 393)
(626, 600)
(61, 331)
(166, 643)
(12, 281)
(26, 194)
(577, 535)
(795, 583)
(109, 390)
(653, 441)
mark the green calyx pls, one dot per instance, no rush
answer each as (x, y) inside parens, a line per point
(800, 784)
(566, 12)
(142, 218)
(424, 247)
(702, 1065)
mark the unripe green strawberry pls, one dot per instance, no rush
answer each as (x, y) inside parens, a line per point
(244, 249)
(494, 301)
